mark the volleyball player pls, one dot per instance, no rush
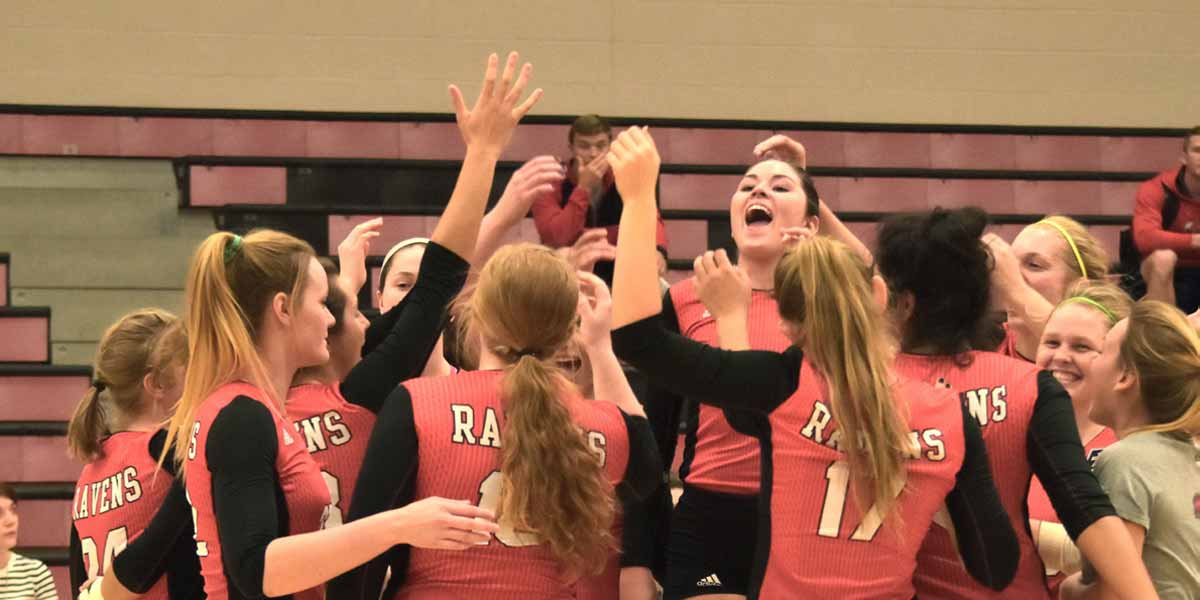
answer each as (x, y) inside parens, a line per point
(1073, 337)
(255, 316)
(116, 431)
(889, 440)
(939, 273)
(710, 550)
(1033, 274)
(1148, 390)
(518, 436)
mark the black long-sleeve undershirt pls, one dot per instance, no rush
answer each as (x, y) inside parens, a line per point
(388, 477)
(248, 502)
(761, 381)
(398, 343)
(1057, 457)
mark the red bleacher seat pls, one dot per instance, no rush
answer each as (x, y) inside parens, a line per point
(70, 135)
(434, 141)
(24, 334)
(10, 134)
(395, 229)
(169, 136)
(1058, 153)
(687, 238)
(353, 139)
(3, 284)
(45, 522)
(972, 151)
(216, 186)
(62, 582)
(707, 146)
(36, 458)
(1138, 153)
(41, 392)
(864, 149)
(259, 137)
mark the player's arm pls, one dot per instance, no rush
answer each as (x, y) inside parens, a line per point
(1073, 587)
(986, 540)
(79, 574)
(753, 380)
(1058, 459)
(414, 326)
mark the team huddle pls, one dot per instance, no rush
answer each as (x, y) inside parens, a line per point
(858, 423)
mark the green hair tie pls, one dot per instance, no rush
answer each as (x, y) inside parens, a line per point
(1104, 309)
(232, 248)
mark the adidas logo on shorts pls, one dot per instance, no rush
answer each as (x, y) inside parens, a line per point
(710, 581)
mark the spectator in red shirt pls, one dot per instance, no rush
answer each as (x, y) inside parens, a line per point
(1166, 230)
(587, 199)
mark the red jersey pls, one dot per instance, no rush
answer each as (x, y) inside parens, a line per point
(1039, 503)
(722, 459)
(300, 479)
(117, 496)
(820, 542)
(1000, 392)
(336, 433)
(458, 421)
(606, 585)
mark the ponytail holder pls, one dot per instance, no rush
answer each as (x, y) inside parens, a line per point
(232, 248)
(99, 385)
(1085, 300)
(1070, 242)
(522, 353)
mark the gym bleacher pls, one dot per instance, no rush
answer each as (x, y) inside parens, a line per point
(318, 174)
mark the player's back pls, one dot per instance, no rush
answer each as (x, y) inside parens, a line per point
(821, 545)
(458, 421)
(1000, 392)
(336, 434)
(117, 496)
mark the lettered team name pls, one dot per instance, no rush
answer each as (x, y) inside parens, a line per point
(110, 493)
(925, 442)
(487, 431)
(322, 431)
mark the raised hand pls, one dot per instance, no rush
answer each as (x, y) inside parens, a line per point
(795, 235)
(722, 286)
(782, 147)
(535, 178)
(595, 312)
(442, 524)
(590, 248)
(634, 160)
(352, 254)
(591, 175)
(488, 125)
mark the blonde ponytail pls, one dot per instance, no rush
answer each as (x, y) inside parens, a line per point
(230, 284)
(825, 290)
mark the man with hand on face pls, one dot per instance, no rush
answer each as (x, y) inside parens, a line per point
(587, 200)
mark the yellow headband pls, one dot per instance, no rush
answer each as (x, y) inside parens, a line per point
(1070, 242)
(1104, 309)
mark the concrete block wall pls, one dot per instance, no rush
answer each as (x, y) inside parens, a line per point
(1048, 62)
(93, 239)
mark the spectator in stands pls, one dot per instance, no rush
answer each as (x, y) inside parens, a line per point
(21, 578)
(1166, 230)
(587, 199)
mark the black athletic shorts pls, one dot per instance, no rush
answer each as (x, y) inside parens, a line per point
(712, 543)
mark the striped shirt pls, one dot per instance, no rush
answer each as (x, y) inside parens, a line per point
(24, 578)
